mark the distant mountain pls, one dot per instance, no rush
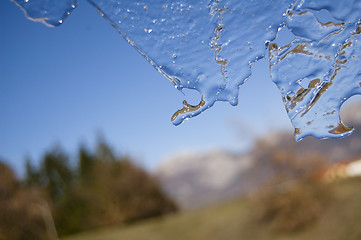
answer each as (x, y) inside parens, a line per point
(195, 180)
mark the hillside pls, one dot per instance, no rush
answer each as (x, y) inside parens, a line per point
(340, 218)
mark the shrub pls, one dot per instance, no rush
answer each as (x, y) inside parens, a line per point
(294, 197)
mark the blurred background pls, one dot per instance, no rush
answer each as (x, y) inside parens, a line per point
(86, 143)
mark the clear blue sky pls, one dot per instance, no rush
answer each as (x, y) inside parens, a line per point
(65, 85)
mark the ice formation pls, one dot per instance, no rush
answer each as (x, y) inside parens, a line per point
(209, 46)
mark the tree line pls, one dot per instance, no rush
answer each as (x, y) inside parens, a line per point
(59, 197)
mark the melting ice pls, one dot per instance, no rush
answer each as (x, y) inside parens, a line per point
(209, 46)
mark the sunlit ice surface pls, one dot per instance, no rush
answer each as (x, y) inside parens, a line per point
(209, 47)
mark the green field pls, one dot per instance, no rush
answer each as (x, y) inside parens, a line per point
(340, 219)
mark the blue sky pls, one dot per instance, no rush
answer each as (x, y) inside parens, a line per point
(65, 85)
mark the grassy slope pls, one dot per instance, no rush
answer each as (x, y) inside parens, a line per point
(341, 220)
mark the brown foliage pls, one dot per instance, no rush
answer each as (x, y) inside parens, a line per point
(20, 215)
(294, 198)
(294, 207)
(120, 192)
